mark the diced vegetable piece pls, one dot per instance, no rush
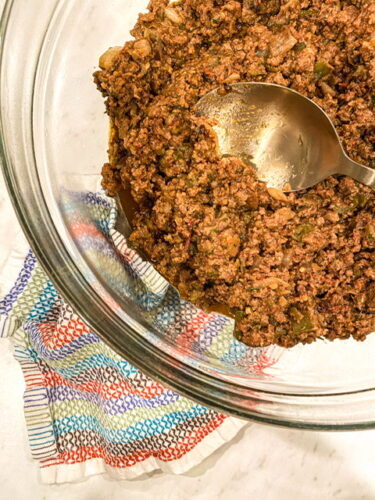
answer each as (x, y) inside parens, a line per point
(239, 315)
(299, 46)
(301, 322)
(360, 71)
(267, 7)
(321, 69)
(172, 15)
(370, 233)
(341, 210)
(107, 59)
(302, 231)
(282, 43)
(360, 200)
(308, 13)
(142, 48)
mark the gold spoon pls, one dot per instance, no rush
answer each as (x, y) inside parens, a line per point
(288, 138)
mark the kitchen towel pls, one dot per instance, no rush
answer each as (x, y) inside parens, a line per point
(87, 410)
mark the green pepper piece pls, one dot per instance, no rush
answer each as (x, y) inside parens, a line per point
(299, 46)
(321, 69)
(193, 249)
(302, 231)
(360, 200)
(308, 12)
(239, 315)
(238, 335)
(361, 69)
(341, 210)
(301, 324)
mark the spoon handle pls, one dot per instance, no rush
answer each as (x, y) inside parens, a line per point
(358, 172)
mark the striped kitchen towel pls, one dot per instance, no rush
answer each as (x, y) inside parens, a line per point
(88, 410)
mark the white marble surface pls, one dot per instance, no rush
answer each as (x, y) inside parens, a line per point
(263, 462)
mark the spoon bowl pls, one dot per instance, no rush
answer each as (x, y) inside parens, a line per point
(289, 139)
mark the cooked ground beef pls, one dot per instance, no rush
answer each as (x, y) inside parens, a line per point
(289, 267)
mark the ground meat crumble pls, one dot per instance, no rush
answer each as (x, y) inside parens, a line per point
(289, 267)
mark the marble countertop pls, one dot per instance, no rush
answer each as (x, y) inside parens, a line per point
(263, 462)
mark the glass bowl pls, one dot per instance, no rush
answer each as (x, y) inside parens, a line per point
(53, 139)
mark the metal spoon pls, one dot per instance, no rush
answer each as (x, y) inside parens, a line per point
(289, 139)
